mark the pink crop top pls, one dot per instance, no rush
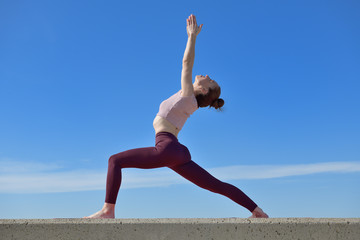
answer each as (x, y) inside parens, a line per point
(177, 109)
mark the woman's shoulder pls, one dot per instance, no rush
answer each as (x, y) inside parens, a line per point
(180, 92)
(189, 100)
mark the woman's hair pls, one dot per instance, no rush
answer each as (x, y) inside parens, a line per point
(211, 98)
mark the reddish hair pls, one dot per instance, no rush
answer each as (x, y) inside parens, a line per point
(211, 98)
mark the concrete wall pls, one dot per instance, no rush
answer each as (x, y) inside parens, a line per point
(219, 228)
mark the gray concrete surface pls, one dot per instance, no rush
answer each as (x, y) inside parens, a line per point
(161, 229)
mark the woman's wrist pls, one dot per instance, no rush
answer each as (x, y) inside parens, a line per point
(192, 39)
(192, 36)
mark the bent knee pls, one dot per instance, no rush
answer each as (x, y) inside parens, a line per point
(114, 160)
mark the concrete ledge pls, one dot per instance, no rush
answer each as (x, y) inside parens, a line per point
(159, 229)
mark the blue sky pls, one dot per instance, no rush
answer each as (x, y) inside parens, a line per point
(82, 80)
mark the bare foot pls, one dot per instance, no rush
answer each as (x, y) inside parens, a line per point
(108, 211)
(258, 213)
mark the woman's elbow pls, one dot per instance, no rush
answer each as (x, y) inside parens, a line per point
(187, 63)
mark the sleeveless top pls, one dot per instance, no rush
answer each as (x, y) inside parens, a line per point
(177, 109)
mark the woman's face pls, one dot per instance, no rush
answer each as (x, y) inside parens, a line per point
(204, 83)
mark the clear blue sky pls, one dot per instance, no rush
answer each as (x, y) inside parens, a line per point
(82, 80)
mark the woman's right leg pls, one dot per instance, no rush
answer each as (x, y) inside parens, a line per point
(144, 158)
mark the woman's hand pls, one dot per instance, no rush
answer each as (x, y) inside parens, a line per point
(191, 26)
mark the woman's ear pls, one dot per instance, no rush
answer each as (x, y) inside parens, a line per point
(204, 91)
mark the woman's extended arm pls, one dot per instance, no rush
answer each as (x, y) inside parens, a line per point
(189, 56)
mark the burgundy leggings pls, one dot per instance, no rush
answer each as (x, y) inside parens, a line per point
(168, 152)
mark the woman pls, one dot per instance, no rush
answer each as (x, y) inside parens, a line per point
(168, 152)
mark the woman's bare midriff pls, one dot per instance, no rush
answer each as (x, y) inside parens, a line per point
(162, 125)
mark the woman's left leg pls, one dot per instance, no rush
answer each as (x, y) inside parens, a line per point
(199, 176)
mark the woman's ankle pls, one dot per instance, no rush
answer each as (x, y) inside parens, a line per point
(108, 207)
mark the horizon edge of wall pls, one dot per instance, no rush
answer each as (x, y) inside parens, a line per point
(182, 228)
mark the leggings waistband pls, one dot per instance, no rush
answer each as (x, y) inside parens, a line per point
(166, 135)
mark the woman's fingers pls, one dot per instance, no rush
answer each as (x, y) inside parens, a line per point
(199, 29)
(193, 20)
(192, 24)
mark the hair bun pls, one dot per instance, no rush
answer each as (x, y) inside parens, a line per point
(218, 103)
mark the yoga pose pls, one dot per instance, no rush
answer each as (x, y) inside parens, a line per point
(168, 152)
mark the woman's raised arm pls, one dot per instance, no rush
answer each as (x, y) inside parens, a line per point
(189, 56)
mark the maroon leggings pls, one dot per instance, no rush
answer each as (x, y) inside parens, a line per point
(168, 152)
